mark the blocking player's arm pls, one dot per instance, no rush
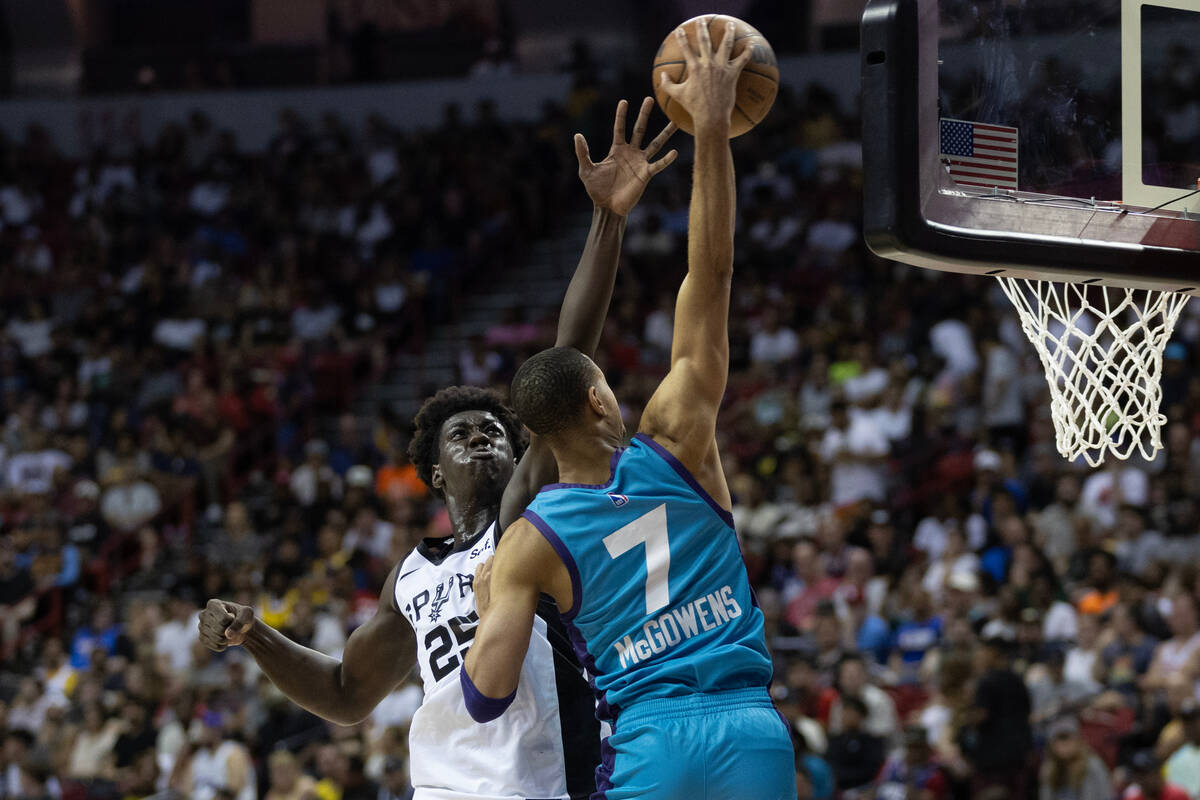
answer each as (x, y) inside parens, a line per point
(615, 185)
(682, 414)
(507, 588)
(378, 657)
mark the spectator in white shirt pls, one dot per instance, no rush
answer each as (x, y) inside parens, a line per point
(33, 332)
(1003, 406)
(833, 235)
(477, 365)
(32, 471)
(773, 343)
(129, 502)
(307, 478)
(174, 638)
(871, 380)
(856, 449)
(894, 415)
(951, 339)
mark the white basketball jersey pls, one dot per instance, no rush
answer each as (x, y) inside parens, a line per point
(516, 756)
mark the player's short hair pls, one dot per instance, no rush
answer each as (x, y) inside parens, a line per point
(550, 389)
(423, 449)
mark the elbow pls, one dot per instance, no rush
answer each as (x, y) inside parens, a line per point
(481, 707)
(346, 714)
(347, 720)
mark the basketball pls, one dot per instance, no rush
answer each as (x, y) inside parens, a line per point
(757, 84)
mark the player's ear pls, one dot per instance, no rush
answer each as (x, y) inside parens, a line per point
(595, 402)
(436, 478)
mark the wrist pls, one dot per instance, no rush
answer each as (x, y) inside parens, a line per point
(602, 213)
(712, 127)
(257, 634)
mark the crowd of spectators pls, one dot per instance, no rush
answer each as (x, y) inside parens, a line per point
(954, 610)
(187, 332)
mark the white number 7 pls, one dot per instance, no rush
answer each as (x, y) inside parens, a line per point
(649, 529)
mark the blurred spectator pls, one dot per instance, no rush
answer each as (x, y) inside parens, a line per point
(1148, 782)
(853, 684)
(1177, 655)
(213, 765)
(999, 741)
(287, 781)
(1071, 771)
(1054, 693)
(854, 754)
(395, 781)
(855, 449)
(773, 343)
(913, 771)
(128, 502)
(1183, 766)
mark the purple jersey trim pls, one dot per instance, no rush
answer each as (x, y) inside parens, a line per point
(604, 771)
(687, 476)
(567, 559)
(612, 475)
(481, 707)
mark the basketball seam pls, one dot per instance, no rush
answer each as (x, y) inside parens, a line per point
(749, 118)
(665, 63)
(756, 72)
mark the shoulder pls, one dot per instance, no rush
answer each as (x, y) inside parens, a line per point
(525, 540)
(387, 596)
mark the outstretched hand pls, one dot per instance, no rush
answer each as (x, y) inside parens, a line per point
(617, 182)
(709, 88)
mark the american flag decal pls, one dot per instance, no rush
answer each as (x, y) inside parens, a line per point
(978, 155)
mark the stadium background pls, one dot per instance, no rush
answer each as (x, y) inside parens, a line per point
(238, 247)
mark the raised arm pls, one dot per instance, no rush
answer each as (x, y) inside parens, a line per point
(507, 588)
(379, 655)
(615, 186)
(682, 414)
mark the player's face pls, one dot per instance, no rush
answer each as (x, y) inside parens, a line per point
(475, 454)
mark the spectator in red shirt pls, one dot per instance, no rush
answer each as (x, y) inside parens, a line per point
(1148, 782)
(814, 585)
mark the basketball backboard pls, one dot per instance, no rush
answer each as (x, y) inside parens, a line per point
(1050, 139)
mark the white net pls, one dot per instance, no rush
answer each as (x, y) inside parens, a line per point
(1102, 349)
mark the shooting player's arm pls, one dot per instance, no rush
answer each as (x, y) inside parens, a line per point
(682, 414)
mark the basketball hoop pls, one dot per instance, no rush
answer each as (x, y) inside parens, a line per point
(1102, 350)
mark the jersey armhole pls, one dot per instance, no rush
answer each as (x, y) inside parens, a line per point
(568, 561)
(687, 476)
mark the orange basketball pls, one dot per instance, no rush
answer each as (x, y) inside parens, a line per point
(757, 84)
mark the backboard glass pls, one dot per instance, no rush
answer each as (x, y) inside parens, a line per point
(1051, 139)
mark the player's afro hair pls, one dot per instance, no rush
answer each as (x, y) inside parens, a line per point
(423, 449)
(550, 389)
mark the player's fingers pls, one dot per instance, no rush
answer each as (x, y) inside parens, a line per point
(726, 46)
(743, 59)
(666, 84)
(643, 118)
(619, 123)
(581, 154)
(244, 619)
(685, 47)
(661, 139)
(664, 162)
(703, 40)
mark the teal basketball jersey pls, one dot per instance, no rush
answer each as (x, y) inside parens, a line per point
(662, 603)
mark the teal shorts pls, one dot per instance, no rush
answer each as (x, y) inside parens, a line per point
(719, 746)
